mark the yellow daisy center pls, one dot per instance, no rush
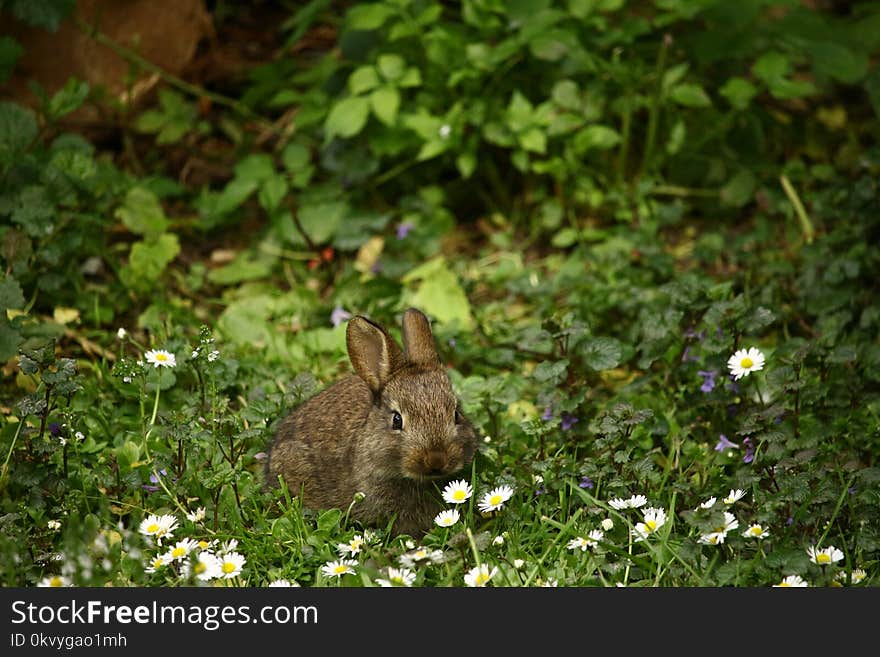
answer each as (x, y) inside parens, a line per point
(157, 563)
(178, 552)
(746, 362)
(340, 570)
(458, 495)
(153, 528)
(200, 568)
(203, 544)
(420, 554)
(756, 530)
(495, 500)
(228, 567)
(481, 578)
(650, 525)
(784, 585)
(56, 581)
(163, 358)
(823, 558)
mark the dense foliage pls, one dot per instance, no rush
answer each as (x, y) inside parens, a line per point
(598, 203)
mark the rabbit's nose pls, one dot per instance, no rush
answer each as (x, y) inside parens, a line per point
(436, 460)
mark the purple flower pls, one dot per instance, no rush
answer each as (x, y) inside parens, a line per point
(724, 443)
(691, 333)
(540, 490)
(568, 421)
(403, 229)
(548, 413)
(789, 521)
(339, 315)
(377, 267)
(55, 429)
(686, 355)
(708, 380)
(750, 450)
(261, 456)
(155, 480)
(586, 482)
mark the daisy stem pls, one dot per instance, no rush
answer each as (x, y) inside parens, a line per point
(758, 390)
(473, 544)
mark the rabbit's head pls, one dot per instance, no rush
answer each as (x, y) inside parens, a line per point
(415, 426)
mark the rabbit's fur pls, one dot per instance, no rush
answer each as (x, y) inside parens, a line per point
(343, 440)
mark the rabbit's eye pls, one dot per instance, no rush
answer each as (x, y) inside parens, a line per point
(396, 421)
(457, 417)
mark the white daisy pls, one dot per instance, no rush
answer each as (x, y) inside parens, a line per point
(196, 516)
(495, 499)
(457, 492)
(714, 538)
(498, 540)
(421, 555)
(518, 563)
(354, 546)
(756, 531)
(550, 582)
(53, 581)
(734, 496)
(231, 564)
(339, 568)
(397, 577)
(447, 518)
(824, 556)
(653, 519)
(54, 525)
(744, 362)
(608, 524)
(181, 549)
(480, 575)
(591, 541)
(160, 358)
(157, 563)
(791, 581)
(858, 576)
(708, 504)
(633, 502)
(282, 583)
(208, 566)
(158, 527)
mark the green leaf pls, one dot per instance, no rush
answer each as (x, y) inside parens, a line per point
(148, 260)
(566, 94)
(839, 62)
(435, 289)
(738, 92)
(257, 167)
(245, 267)
(739, 190)
(391, 66)
(11, 295)
(234, 194)
(320, 220)
(10, 340)
(142, 213)
(601, 353)
(551, 45)
(368, 16)
(385, 102)
(347, 118)
(690, 95)
(595, 136)
(771, 66)
(10, 51)
(18, 128)
(272, 192)
(67, 99)
(534, 140)
(363, 79)
(466, 163)
(295, 157)
(127, 455)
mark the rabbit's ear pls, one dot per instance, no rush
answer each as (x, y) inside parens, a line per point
(373, 353)
(418, 341)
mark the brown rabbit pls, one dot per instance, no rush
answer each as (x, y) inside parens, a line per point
(393, 431)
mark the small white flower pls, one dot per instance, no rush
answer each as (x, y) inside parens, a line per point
(744, 362)
(858, 576)
(480, 575)
(214, 355)
(397, 577)
(121, 333)
(495, 499)
(444, 131)
(159, 527)
(714, 538)
(229, 546)
(550, 582)
(447, 518)
(583, 544)
(457, 492)
(756, 531)
(498, 540)
(734, 496)
(608, 524)
(231, 564)
(194, 354)
(196, 516)
(54, 525)
(633, 502)
(653, 519)
(421, 555)
(79, 435)
(160, 358)
(53, 581)
(708, 504)
(208, 566)
(339, 568)
(518, 563)
(282, 583)
(825, 556)
(537, 479)
(180, 550)
(354, 546)
(791, 581)
(157, 563)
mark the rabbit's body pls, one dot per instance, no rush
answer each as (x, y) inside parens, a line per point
(392, 431)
